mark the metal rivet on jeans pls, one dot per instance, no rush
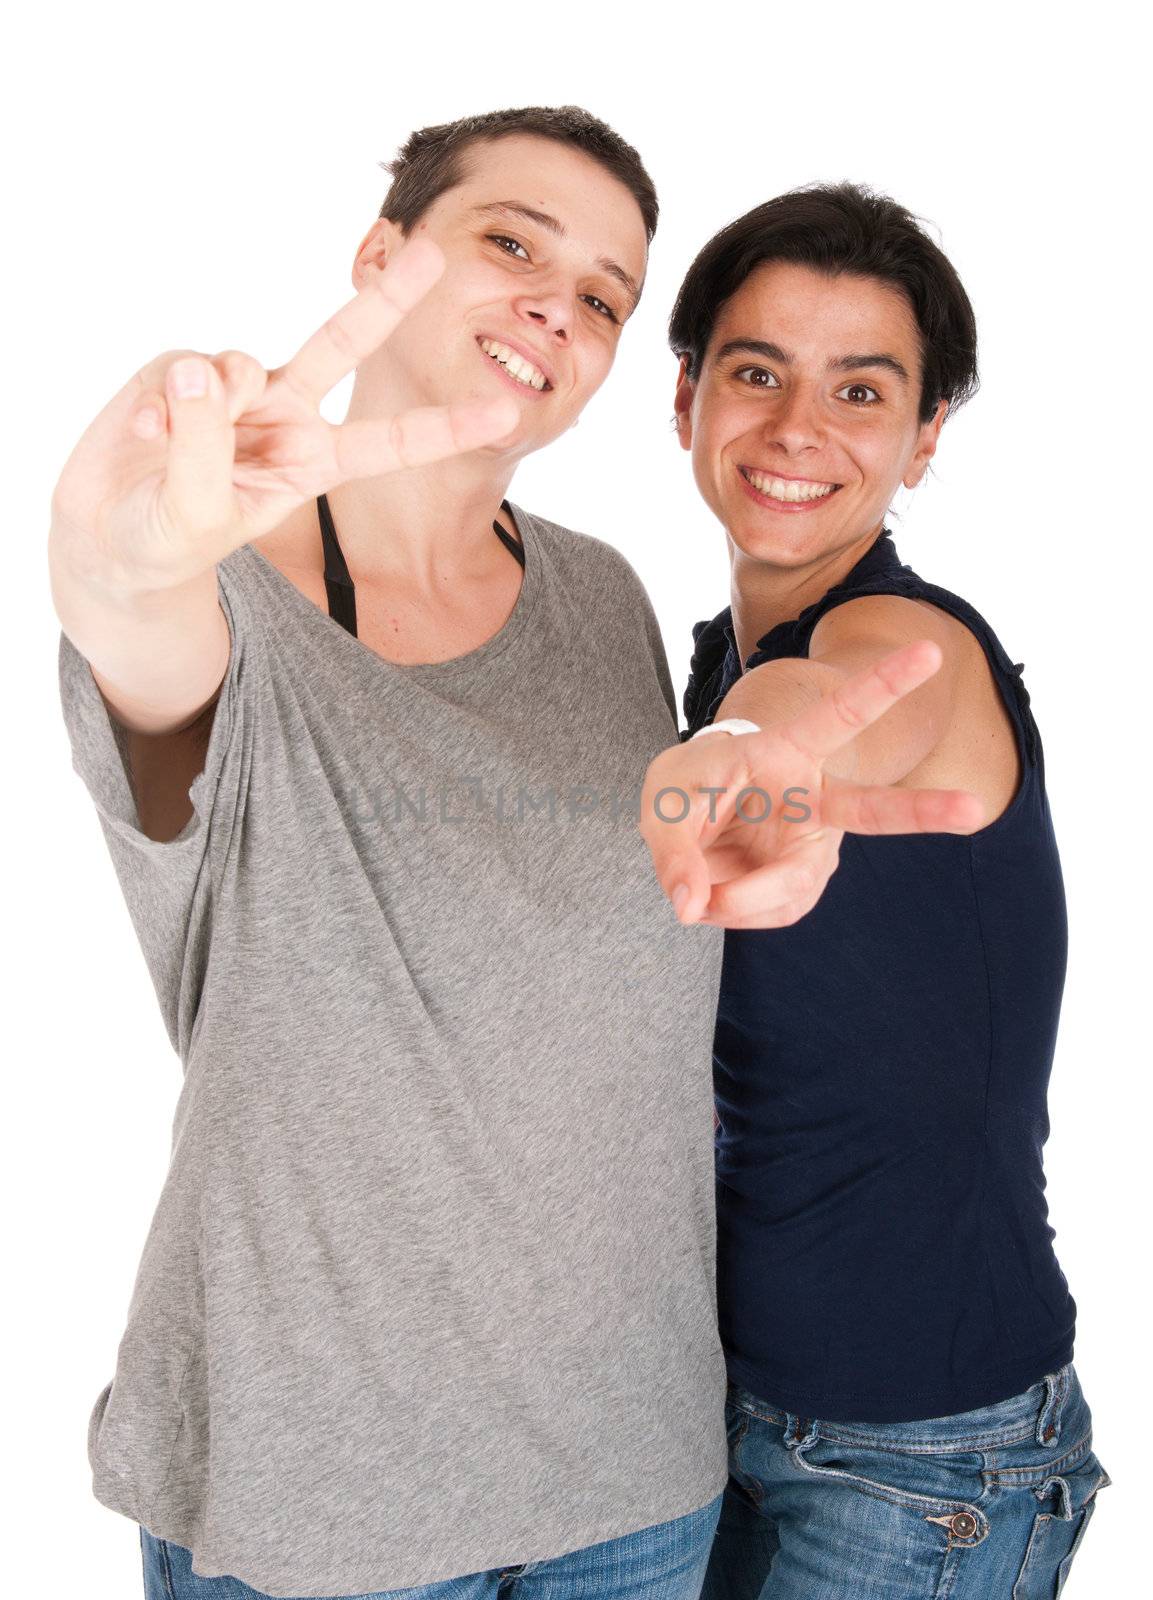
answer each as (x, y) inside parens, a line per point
(963, 1525)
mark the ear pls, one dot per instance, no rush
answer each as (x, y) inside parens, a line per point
(375, 250)
(683, 404)
(927, 438)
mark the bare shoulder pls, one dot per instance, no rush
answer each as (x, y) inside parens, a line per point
(979, 750)
(894, 619)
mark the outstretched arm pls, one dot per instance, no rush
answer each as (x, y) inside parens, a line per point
(848, 639)
(169, 479)
(745, 829)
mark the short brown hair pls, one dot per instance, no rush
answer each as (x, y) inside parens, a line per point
(430, 160)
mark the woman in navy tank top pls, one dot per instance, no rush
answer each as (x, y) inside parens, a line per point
(904, 1418)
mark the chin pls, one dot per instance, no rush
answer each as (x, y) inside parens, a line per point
(785, 547)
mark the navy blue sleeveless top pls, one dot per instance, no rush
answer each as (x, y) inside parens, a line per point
(881, 1068)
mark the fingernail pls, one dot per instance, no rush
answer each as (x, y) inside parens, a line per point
(188, 378)
(680, 896)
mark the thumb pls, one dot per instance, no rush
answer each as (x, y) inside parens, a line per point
(198, 493)
(689, 887)
(680, 868)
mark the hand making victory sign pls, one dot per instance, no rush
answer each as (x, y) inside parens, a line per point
(745, 828)
(197, 456)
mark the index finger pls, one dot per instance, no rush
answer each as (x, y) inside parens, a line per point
(840, 715)
(366, 321)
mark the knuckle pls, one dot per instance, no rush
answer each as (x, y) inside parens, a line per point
(339, 337)
(246, 368)
(172, 519)
(398, 437)
(148, 395)
(386, 291)
(242, 376)
(230, 366)
(291, 380)
(847, 711)
(187, 521)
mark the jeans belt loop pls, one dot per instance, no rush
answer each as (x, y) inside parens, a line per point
(1049, 1421)
(798, 1430)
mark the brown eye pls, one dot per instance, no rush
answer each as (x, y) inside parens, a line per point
(859, 394)
(756, 377)
(601, 307)
(502, 239)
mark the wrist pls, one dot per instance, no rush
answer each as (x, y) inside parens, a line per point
(733, 725)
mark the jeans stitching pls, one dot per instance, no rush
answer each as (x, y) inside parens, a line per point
(927, 1446)
(764, 1416)
(1087, 1511)
(1043, 1469)
(1007, 1434)
(908, 1499)
(748, 1481)
(165, 1569)
(957, 1444)
(949, 1570)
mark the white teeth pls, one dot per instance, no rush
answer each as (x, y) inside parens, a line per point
(788, 489)
(523, 371)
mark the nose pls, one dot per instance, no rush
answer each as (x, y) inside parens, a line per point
(551, 312)
(795, 422)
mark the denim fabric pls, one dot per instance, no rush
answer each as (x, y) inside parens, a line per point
(985, 1505)
(664, 1562)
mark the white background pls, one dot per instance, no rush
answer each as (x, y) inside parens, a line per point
(200, 176)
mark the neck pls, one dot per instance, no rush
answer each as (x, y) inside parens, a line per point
(423, 525)
(762, 594)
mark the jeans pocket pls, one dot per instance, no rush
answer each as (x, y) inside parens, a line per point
(936, 1489)
(1070, 1499)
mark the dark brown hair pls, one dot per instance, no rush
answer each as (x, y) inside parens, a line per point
(431, 160)
(837, 228)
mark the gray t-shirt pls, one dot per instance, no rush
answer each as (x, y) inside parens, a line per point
(429, 1288)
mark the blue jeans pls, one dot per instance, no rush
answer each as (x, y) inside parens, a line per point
(987, 1505)
(664, 1562)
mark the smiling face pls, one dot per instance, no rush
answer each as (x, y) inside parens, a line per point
(545, 253)
(805, 417)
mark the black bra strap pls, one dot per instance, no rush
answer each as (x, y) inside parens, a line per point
(337, 579)
(506, 539)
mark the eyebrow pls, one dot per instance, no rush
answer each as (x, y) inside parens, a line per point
(773, 352)
(517, 208)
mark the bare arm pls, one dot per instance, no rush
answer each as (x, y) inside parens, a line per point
(169, 480)
(158, 658)
(849, 639)
(177, 642)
